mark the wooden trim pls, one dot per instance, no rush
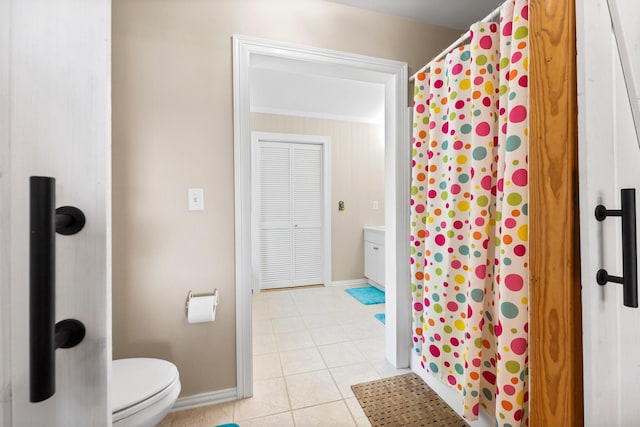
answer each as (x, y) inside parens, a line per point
(555, 310)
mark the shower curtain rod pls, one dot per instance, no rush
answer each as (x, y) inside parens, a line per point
(490, 17)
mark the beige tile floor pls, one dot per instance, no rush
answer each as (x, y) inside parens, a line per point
(310, 345)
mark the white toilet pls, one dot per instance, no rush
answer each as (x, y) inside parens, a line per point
(142, 391)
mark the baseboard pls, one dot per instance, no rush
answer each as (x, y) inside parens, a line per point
(375, 285)
(205, 399)
(362, 281)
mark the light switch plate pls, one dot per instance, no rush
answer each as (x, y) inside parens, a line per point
(196, 199)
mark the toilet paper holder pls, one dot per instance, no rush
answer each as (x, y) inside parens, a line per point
(212, 294)
(201, 308)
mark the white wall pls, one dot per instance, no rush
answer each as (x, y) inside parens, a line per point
(173, 129)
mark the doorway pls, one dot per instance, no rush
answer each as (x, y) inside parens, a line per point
(291, 224)
(391, 74)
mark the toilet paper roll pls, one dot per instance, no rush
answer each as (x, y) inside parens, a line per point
(201, 309)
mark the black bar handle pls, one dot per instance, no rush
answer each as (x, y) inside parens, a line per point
(42, 277)
(629, 279)
(44, 334)
(629, 248)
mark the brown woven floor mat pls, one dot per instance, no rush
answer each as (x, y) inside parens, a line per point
(404, 400)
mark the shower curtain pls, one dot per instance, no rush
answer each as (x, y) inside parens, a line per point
(469, 218)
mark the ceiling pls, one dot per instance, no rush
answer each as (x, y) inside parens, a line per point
(458, 14)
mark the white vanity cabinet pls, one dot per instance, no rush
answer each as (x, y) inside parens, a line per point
(374, 255)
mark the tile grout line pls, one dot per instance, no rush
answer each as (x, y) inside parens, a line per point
(286, 386)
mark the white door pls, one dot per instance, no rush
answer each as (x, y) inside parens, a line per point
(289, 210)
(55, 100)
(609, 162)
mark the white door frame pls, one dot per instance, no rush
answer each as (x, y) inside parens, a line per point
(325, 143)
(393, 74)
(5, 227)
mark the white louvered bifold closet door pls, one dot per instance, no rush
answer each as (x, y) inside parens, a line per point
(307, 214)
(290, 214)
(274, 168)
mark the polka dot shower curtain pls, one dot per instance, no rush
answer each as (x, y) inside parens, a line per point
(469, 224)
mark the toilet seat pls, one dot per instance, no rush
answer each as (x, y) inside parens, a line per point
(140, 383)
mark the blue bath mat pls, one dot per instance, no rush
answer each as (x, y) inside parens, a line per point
(367, 295)
(228, 425)
(380, 317)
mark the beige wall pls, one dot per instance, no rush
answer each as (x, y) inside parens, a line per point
(357, 178)
(173, 129)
